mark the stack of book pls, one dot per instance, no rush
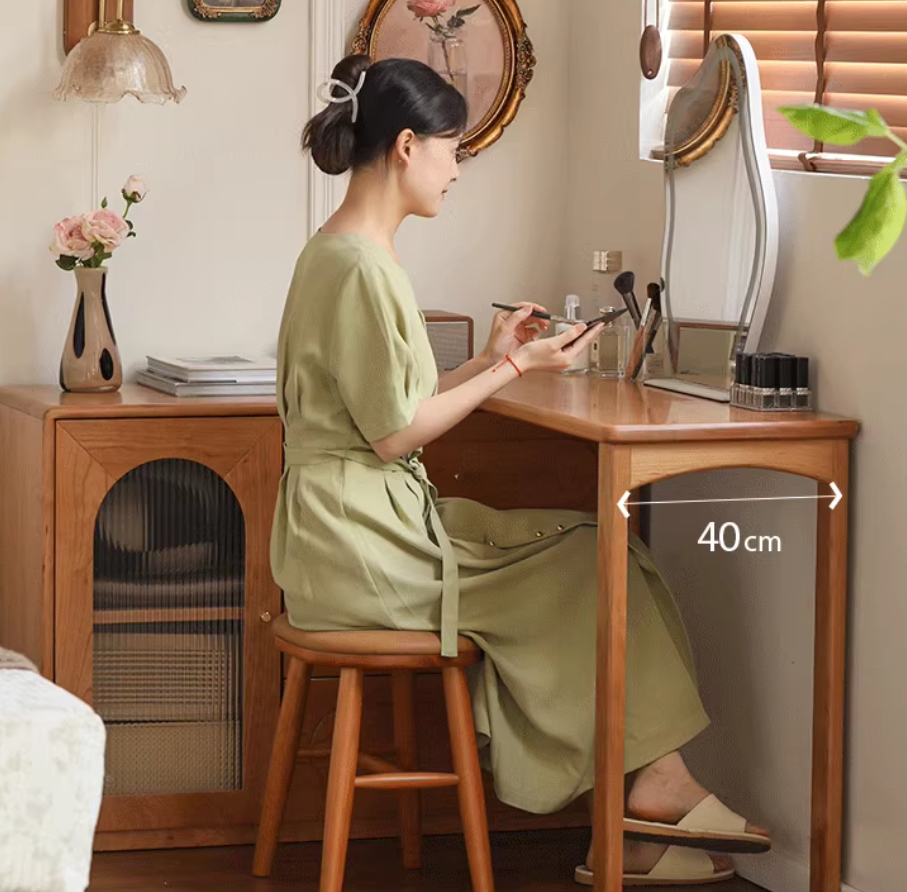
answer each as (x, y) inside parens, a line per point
(211, 376)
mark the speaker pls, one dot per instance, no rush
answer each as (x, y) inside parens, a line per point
(451, 337)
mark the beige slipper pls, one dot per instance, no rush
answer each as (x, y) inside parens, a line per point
(676, 867)
(710, 825)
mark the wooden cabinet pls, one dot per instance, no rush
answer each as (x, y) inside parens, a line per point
(134, 570)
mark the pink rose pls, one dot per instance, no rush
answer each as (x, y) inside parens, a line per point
(105, 227)
(135, 189)
(70, 240)
(423, 9)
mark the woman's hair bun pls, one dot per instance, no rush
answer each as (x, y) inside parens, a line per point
(331, 135)
(395, 95)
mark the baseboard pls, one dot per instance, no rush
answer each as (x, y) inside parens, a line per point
(778, 872)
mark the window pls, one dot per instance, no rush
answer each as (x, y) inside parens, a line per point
(843, 53)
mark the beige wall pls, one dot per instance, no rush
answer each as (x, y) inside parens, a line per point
(227, 215)
(750, 617)
(227, 211)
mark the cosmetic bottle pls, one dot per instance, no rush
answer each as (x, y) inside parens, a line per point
(609, 352)
(765, 373)
(787, 371)
(580, 365)
(803, 397)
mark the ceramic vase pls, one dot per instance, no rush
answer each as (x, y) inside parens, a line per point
(91, 361)
(447, 56)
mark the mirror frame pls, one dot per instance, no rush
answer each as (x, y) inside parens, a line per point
(519, 62)
(734, 97)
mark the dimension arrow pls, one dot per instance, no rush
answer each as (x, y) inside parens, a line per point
(623, 503)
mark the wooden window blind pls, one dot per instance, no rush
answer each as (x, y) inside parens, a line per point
(843, 53)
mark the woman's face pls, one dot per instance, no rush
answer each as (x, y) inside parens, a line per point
(430, 169)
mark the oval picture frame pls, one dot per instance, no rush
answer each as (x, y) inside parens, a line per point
(235, 11)
(499, 76)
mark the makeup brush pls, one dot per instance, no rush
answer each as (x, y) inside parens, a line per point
(624, 285)
(651, 316)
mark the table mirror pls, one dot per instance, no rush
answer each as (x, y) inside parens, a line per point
(721, 223)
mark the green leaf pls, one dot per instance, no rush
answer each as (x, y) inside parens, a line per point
(834, 125)
(64, 261)
(468, 11)
(130, 224)
(877, 225)
(104, 202)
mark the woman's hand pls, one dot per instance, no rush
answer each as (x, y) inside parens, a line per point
(556, 353)
(510, 331)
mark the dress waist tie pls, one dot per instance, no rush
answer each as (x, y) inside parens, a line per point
(450, 578)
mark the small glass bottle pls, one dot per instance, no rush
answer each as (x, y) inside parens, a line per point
(612, 347)
(580, 365)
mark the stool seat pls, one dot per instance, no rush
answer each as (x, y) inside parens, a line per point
(402, 655)
(371, 647)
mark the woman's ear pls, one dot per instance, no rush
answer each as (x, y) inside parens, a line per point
(403, 147)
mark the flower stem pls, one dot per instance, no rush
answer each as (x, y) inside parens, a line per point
(440, 34)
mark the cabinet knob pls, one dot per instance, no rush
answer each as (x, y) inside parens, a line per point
(266, 617)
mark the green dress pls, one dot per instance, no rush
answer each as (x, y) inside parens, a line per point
(358, 543)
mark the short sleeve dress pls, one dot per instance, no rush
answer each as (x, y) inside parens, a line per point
(358, 543)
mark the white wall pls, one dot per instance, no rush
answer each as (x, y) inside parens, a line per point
(227, 212)
(751, 617)
(227, 215)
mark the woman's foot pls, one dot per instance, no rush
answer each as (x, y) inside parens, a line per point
(641, 857)
(665, 792)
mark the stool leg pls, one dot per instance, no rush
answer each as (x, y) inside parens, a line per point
(338, 811)
(283, 761)
(404, 694)
(466, 765)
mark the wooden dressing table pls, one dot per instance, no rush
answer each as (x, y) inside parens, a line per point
(640, 436)
(543, 441)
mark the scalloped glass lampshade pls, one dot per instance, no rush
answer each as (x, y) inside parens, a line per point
(109, 65)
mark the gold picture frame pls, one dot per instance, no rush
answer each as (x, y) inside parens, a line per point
(234, 10)
(501, 44)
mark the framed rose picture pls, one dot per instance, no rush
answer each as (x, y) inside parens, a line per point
(234, 10)
(479, 46)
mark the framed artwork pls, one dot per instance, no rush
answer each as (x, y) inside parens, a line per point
(234, 10)
(480, 46)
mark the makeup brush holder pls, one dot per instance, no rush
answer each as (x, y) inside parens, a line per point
(772, 382)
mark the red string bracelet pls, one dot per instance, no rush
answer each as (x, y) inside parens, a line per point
(507, 358)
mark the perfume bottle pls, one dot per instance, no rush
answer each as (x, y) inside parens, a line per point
(612, 347)
(580, 365)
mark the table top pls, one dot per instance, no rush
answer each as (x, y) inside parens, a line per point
(597, 409)
(611, 411)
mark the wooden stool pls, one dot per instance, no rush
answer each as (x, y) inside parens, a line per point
(402, 653)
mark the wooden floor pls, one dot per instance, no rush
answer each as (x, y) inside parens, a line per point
(528, 862)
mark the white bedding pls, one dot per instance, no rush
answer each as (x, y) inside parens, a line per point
(51, 780)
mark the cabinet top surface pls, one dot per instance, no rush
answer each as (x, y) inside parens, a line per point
(610, 411)
(132, 400)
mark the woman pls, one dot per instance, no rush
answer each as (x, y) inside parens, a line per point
(360, 540)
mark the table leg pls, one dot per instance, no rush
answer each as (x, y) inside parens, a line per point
(828, 684)
(611, 669)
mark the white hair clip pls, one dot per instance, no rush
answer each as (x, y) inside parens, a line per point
(352, 95)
